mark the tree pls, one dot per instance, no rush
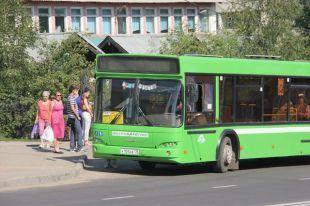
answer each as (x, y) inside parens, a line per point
(259, 27)
(16, 34)
(303, 21)
(22, 79)
(179, 43)
(63, 64)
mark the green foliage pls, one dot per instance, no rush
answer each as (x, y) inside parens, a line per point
(259, 27)
(23, 80)
(182, 43)
(63, 64)
(303, 21)
(16, 34)
(190, 43)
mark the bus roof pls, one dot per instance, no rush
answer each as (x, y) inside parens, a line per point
(234, 66)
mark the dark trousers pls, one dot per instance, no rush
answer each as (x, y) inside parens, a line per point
(75, 134)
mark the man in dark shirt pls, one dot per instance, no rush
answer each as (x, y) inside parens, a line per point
(78, 101)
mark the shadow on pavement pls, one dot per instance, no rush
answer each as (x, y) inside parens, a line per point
(73, 159)
(133, 168)
(39, 149)
(33, 145)
(274, 162)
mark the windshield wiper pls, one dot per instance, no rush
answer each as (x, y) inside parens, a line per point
(119, 113)
(149, 123)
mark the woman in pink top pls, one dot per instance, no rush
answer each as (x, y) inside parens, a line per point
(44, 115)
(58, 124)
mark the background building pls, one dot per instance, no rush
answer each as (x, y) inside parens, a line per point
(144, 20)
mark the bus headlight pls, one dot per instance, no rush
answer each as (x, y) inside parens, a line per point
(169, 144)
(98, 141)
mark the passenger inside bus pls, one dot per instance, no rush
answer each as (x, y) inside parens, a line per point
(303, 109)
(179, 104)
(282, 113)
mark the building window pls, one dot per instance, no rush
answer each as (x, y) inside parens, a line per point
(150, 25)
(91, 20)
(121, 20)
(60, 14)
(106, 21)
(43, 20)
(191, 19)
(76, 20)
(200, 100)
(177, 16)
(29, 11)
(136, 21)
(204, 20)
(164, 14)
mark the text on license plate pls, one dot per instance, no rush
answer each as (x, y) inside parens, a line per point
(130, 151)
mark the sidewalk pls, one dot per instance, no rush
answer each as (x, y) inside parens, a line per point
(25, 164)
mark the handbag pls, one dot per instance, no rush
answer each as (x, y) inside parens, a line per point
(35, 131)
(48, 134)
(70, 121)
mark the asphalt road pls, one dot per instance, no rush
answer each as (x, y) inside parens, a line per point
(261, 182)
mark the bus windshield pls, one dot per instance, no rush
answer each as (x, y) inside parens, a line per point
(139, 102)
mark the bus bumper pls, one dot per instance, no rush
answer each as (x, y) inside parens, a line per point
(160, 155)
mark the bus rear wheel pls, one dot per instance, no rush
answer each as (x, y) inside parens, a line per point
(147, 166)
(227, 157)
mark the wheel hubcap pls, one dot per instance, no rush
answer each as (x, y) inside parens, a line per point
(228, 154)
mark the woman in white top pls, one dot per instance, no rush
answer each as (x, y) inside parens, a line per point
(87, 115)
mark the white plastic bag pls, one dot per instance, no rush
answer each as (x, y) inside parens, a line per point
(48, 134)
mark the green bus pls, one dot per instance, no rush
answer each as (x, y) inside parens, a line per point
(193, 109)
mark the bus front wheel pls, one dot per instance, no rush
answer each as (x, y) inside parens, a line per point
(227, 157)
(147, 166)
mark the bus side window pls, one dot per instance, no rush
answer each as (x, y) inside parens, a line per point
(299, 98)
(199, 100)
(192, 95)
(226, 99)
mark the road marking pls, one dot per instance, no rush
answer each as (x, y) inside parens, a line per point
(224, 186)
(116, 198)
(302, 179)
(307, 203)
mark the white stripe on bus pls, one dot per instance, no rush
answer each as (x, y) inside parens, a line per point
(272, 130)
(306, 203)
(304, 179)
(117, 198)
(224, 186)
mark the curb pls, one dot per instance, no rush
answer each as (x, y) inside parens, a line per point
(83, 161)
(38, 180)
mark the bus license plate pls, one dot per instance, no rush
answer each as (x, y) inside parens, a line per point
(129, 151)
